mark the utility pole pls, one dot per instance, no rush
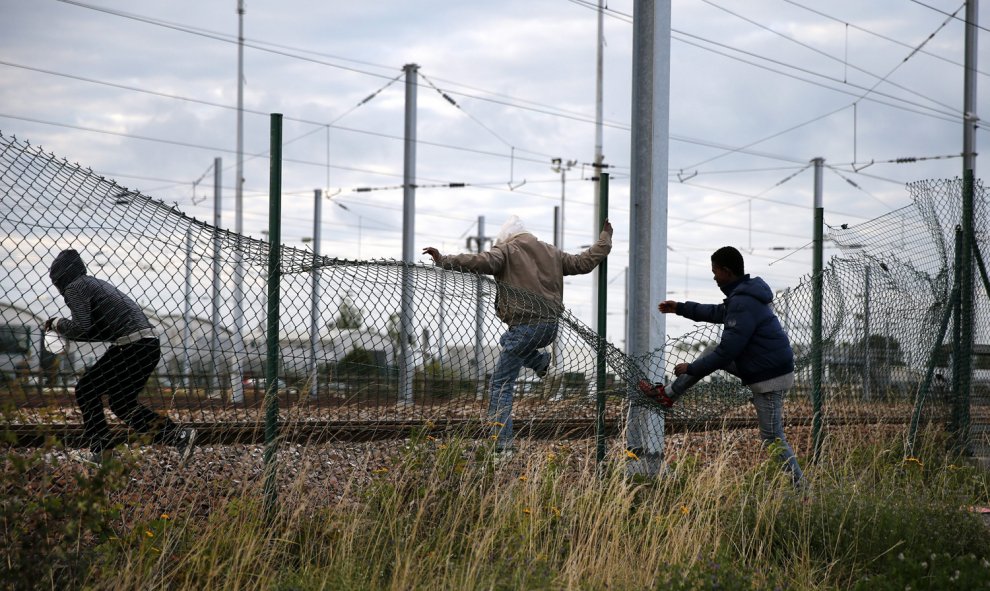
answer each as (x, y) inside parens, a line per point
(558, 241)
(187, 292)
(648, 216)
(970, 117)
(561, 166)
(597, 172)
(966, 300)
(237, 388)
(477, 244)
(407, 333)
(215, 317)
(314, 329)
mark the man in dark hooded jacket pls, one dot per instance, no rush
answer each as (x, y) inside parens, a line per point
(753, 347)
(101, 313)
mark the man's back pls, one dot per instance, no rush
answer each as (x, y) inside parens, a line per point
(532, 267)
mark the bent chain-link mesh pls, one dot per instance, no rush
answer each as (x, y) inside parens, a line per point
(882, 301)
(344, 375)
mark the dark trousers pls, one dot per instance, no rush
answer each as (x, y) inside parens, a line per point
(121, 374)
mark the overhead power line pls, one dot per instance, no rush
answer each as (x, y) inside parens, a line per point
(318, 124)
(295, 53)
(881, 36)
(940, 11)
(617, 14)
(919, 108)
(825, 54)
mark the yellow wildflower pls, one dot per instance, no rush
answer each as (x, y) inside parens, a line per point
(523, 478)
(527, 511)
(165, 516)
(631, 455)
(555, 511)
(685, 510)
(149, 533)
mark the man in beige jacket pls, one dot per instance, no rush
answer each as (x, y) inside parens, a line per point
(530, 278)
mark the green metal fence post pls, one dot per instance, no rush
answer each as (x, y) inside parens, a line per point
(957, 361)
(602, 300)
(951, 310)
(816, 316)
(274, 277)
(966, 311)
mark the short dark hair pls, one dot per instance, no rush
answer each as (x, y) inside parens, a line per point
(731, 259)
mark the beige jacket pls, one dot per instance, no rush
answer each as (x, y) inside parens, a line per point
(531, 267)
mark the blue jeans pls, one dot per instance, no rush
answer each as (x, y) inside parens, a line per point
(769, 417)
(520, 346)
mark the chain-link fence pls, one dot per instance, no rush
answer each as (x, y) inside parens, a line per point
(352, 359)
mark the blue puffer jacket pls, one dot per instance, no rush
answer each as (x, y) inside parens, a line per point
(752, 336)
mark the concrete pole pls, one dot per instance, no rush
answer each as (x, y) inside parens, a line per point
(597, 172)
(187, 293)
(237, 388)
(648, 215)
(407, 333)
(314, 329)
(215, 317)
(966, 294)
(558, 241)
(563, 193)
(970, 117)
(239, 182)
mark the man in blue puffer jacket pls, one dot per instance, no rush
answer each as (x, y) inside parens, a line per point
(754, 347)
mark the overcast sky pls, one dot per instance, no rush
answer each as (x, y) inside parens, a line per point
(145, 93)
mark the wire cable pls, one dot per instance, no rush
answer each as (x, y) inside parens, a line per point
(881, 36)
(832, 57)
(947, 14)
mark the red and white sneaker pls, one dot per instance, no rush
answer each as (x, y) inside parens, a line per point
(656, 392)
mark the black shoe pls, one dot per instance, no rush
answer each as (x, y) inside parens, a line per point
(184, 444)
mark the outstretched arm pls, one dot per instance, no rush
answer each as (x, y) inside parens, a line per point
(580, 264)
(489, 262)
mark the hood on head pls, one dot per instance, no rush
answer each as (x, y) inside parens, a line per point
(67, 267)
(512, 227)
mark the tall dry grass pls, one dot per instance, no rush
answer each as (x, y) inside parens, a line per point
(445, 516)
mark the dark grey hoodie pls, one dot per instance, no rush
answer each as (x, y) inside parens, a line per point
(100, 312)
